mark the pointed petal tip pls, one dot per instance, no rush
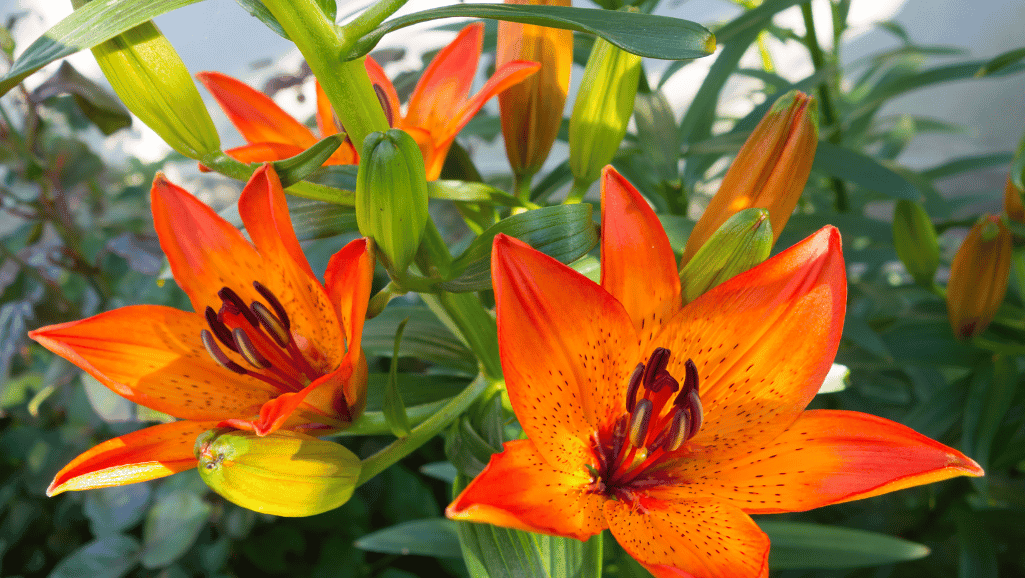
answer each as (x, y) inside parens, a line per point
(53, 489)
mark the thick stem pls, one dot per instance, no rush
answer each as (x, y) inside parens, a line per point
(818, 60)
(422, 433)
(346, 83)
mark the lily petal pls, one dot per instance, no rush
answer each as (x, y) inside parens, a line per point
(262, 152)
(826, 457)
(534, 496)
(691, 539)
(153, 355)
(380, 80)
(634, 248)
(507, 75)
(254, 114)
(147, 454)
(206, 252)
(567, 351)
(327, 123)
(762, 342)
(286, 272)
(442, 89)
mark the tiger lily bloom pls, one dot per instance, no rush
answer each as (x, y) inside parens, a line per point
(670, 424)
(438, 109)
(268, 347)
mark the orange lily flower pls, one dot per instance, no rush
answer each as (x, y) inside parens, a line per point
(438, 109)
(669, 425)
(269, 346)
(271, 132)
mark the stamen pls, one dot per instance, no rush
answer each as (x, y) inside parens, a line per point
(220, 330)
(271, 324)
(383, 99)
(247, 350)
(679, 430)
(235, 304)
(218, 355)
(279, 310)
(639, 420)
(635, 384)
(690, 383)
(618, 435)
(663, 380)
(657, 363)
(697, 414)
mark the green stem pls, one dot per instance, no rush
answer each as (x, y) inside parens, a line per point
(818, 60)
(521, 188)
(366, 22)
(464, 314)
(379, 301)
(374, 423)
(346, 83)
(422, 433)
(576, 194)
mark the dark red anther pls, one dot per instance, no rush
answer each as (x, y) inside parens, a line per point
(219, 329)
(234, 304)
(664, 380)
(218, 355)
(635, 384)
(272, 300)
(690, 383)
(657, 363)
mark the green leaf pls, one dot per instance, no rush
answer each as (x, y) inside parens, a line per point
(108, 557)
(799, 545)
(443, 471)
(416, 388)
(990, 397)
(99, 106)
(862, 170)
(394, 409)
(425, 338)
(493, 552)
(978, 549)
(656, 133)
(643, 34)
(565, 232)
(965, 164)
(471, 192)
(86, 27)
(1000, 62)
(435, 537)
(257, 9)
(311, 219)
(172, 526)
(294, 169)
(116, 509)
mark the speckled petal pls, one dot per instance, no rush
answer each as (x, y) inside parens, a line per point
(153, 356)
(762, 342)
(147, 454)
(826, 457)
(254, 114)
(286, 272)
(692, 539)
(519, 489)
(637, 264)
(567, 348)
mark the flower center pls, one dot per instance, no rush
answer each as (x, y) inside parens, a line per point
(260, 334)
(661, 415)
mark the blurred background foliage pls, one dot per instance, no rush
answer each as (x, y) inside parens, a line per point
(77, 239)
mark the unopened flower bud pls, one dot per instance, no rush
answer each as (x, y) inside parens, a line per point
(391, 195)
(284, 473)
(770, 170)
(978, 277)
(742, 242)
(1013, 206)
(151, 79)
(914, 238)
(602, 109)
(532, 110)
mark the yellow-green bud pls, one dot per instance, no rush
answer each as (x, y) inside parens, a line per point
(742, 242)
(284, 473)
(151, 79)
(602, 109)
(914, 238)
(391, 195)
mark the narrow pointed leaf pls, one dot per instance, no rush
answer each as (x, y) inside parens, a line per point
(434, 537)
(799, 545)
(864, 171)
(86, 27)
(294, 169)
(643, 34)
(1001, 61)
(394, 409)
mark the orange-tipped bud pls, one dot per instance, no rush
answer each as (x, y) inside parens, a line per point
(770, 170)
(532, 109)
(978, 277)
(1013, 206)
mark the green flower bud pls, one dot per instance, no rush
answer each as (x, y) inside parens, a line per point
(742, 242)
(391, 195)
(914, 238)
(284, 473)
(602, 110)
(151, 79)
